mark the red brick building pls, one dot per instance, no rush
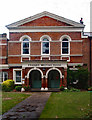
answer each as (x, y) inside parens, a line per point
(41, 47)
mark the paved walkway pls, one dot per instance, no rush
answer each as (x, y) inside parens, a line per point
(29, 108)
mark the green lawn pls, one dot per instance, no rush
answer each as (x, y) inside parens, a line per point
(10, 99)
(67, 105)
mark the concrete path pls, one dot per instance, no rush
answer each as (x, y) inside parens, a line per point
(29, 109)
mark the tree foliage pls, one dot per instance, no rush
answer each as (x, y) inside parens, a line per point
(81, 75)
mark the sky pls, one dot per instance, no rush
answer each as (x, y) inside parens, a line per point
(15, 10)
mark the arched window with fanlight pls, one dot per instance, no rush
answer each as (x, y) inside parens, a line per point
(45, 45)
(65, 45)
(25, 46)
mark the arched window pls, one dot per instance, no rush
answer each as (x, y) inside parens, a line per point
(65, 46)
(45, 46)
(25, 46)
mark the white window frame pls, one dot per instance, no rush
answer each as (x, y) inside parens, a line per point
(69, 39)
(41, 39)
(14, 75)
(21, 39)
(4, 76)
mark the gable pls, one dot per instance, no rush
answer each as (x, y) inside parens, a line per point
(45, 21)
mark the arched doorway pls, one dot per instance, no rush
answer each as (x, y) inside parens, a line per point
(35, 79)
(53, 79)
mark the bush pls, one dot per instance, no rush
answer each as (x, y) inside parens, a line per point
(18, 88)
(8, 85)
(61, 88)
(82, 75)
(90, 89)
(66, 90)
(27, 88)
(74, 90)
(71, 90)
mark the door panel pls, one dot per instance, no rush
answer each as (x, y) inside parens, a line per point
(35, 79)
(53, 79)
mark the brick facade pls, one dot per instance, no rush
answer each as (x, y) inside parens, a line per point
(36, 27)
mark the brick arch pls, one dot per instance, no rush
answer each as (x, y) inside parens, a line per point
(34, 69)
(53, 69)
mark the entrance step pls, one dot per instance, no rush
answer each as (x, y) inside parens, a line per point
(49, 90)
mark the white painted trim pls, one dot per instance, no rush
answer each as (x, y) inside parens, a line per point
(76, 55)
(83, 36)
(15, 65)
(3, 57)
(76, 41)
(66, 56)
(47, 30)
(53, 69)
(75, 64)
(65, 36)
(3, 38)
(45, 36)
(40, 41)
(4, 66)
(34, 69)
(3, 43)
(14, 75)
(23, 37)
(14, 41)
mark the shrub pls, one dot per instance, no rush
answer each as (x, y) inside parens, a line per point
(27, 88)
(72, 90)
(90, 89)
(8, 85)
(61, 88)
(66, 90)
(18, 88)
(82, 75)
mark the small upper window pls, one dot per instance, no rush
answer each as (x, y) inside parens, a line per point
(25, 45)
(65, 46)
(45, 46)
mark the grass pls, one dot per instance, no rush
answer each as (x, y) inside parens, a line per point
(10, 99)
(67, 105)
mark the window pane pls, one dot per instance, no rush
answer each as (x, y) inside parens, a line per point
(45, 44)
(65, 39)
(25, 39)
(64, 44)
(5, 76)
(64, 50)
(25, 51)
(1, 77)
(25, 44)
(18, 76)
(18, 79)
(45, 50)
(45, 39)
